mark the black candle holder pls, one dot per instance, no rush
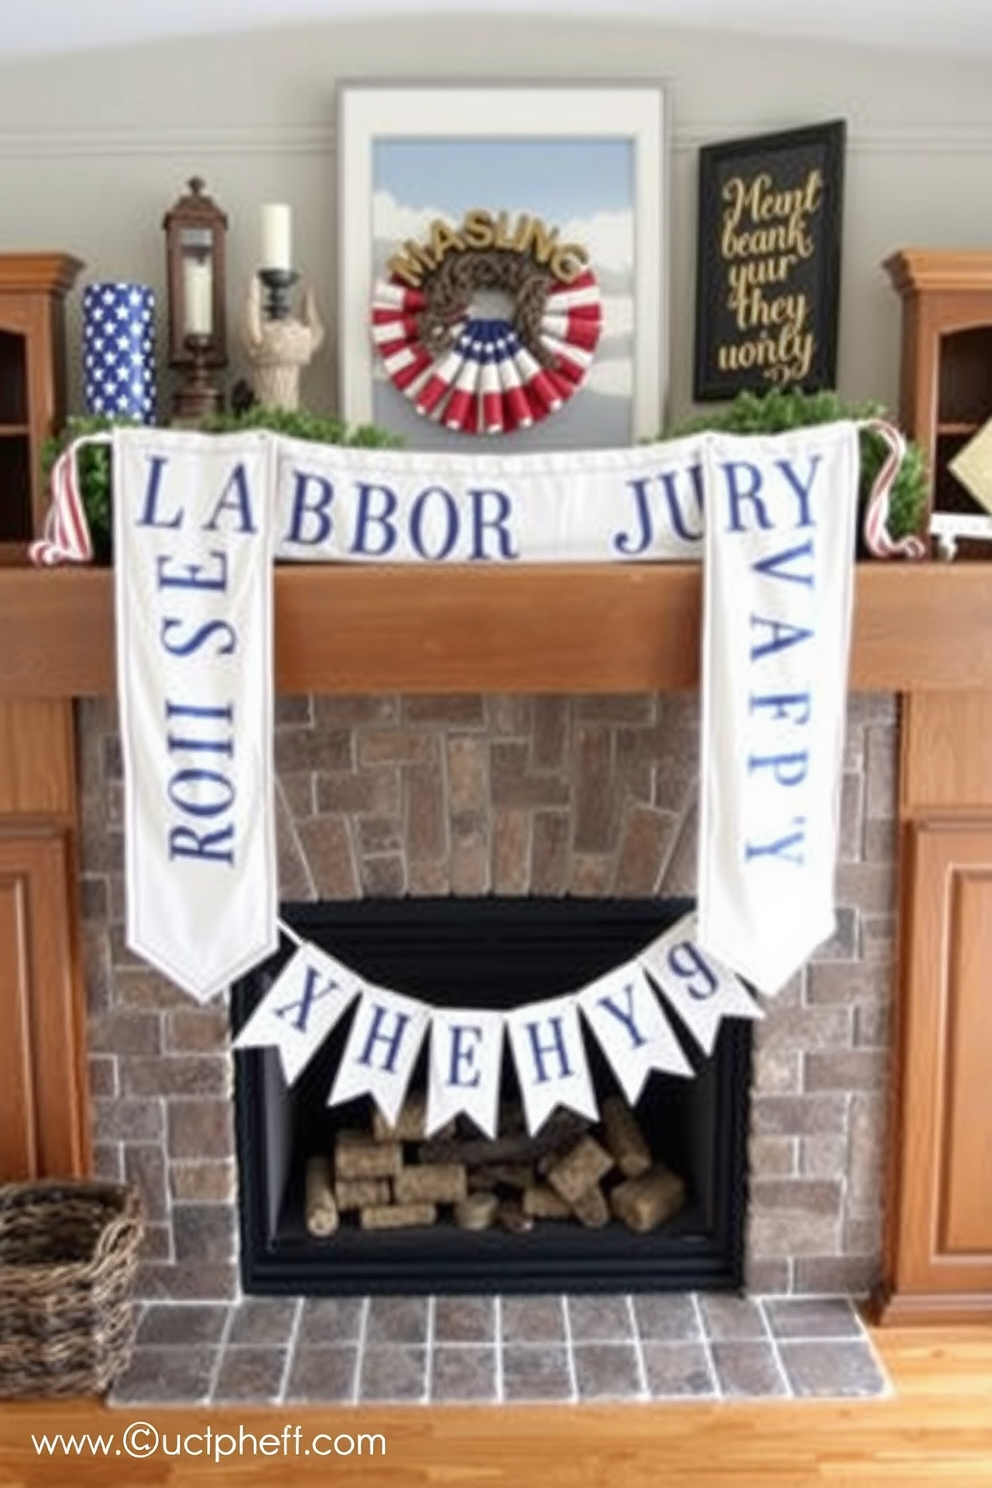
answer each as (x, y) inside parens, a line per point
(278, 284)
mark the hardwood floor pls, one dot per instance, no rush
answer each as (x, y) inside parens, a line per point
(936, 1430)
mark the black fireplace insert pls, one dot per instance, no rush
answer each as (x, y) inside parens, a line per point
(495, 953)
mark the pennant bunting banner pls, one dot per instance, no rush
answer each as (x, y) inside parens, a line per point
(700, 991)
(550, 1058)
(622, 1009)
(466, 1066)
(299, 1010)
(381, 1051)
(623, 1012)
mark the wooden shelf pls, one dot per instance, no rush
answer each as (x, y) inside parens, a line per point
(33, 287)
(552, 629)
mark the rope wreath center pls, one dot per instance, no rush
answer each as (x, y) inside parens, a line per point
(451, 288)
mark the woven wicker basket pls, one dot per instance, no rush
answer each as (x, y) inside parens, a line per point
(68, 1252)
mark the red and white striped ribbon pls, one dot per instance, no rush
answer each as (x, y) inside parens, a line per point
(461, 409)
(390, 295)
(66, 533)
(877, 537)
(582, 290)
(389, 330)
(542, 393)
(574, 329)
(516, 410)
(492, 412)
(570, 362)
(443, 377)
(405, 365)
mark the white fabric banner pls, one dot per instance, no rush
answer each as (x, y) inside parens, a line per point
(193, 580)
(198, 518)
(778, 576)
(701, 991)
(550, 1059)
(303, 1005)
(347, 504)
(631, 1029)
(465, 1068)
(383, 1043)
(400, 506)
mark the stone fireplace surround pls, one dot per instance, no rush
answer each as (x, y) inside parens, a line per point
(385, 796)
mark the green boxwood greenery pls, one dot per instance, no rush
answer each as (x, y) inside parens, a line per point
(780, 409)
(96, 476)
(300, 423)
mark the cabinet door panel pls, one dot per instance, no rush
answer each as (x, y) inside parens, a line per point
(18, 1126)
(965, 1199)
(943, 1135)
(43, 1090)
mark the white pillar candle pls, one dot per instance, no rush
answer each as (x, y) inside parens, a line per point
(197, 297)
(276, 237)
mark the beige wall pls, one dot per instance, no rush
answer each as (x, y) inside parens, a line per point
(94, 148)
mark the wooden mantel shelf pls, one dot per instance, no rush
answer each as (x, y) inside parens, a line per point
(559, 629)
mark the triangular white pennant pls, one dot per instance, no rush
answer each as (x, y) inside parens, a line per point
(465, 1063)
(550, 1058)
(382, 1048)
(700, 990)
(625, 1015)
(299, 1010)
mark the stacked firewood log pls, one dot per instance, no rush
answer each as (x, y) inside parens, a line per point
(394, 1177)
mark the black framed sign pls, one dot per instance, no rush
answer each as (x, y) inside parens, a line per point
(768, 262)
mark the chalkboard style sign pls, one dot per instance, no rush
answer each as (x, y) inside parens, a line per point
(768, 275)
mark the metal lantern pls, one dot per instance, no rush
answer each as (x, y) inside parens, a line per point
(195, 239)
(195, 243)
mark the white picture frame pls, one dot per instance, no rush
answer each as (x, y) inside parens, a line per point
(597, 154)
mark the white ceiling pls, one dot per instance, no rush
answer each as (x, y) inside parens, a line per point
(962, 27)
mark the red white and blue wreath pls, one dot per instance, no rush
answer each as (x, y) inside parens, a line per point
(488, 374)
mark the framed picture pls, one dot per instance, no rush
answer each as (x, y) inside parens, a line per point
(768, 262)
(503, 264)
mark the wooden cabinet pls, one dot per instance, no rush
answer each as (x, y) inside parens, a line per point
(946, 366)
(43, 1120)
(44, 1092)
(938, 1260)
(32, 385)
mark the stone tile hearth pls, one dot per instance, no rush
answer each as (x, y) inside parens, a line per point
(484, 1350)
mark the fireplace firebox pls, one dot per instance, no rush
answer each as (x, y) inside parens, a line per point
(493, 953)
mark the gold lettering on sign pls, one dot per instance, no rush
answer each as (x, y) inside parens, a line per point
(477, 228)
(522, 234)
(443, 239)
(412, 264)
(766, 235)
